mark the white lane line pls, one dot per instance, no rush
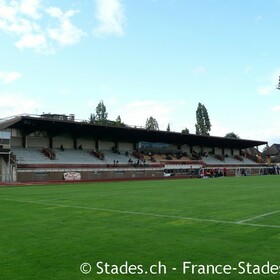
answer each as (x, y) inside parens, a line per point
(143, 213)
(258, 217)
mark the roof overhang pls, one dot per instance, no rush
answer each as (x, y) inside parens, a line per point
(77, 129)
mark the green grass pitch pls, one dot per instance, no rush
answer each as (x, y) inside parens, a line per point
(141, 229)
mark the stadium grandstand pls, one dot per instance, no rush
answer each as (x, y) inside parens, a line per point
(54, 147)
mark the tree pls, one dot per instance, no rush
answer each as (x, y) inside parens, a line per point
(232, 135)
(203, 125)
(168, 128)
(152, 124)
(118, 121)
(265, 148)
(100, 116)
(92, 118)
(185, 131)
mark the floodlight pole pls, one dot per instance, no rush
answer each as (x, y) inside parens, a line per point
(278, 86)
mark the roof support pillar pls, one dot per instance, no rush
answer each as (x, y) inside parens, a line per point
(97, 144)
(116, 146)
(135, 146)
(75, 143)
(24, 141)
(50, 142)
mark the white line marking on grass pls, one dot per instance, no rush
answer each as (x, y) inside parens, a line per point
(143, 213)
(259, 216)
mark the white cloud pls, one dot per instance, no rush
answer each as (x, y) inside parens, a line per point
(270, 134)
(33, 41)
(218, 129)
(54, 12)
(66, 33)
(30, 8)
(13, 10)
(25, 20)
(8, 77)
(22, 26)
(14, 104)
(45, 29)
(265, 90)
(136, 112)
(8, 13)
(110, 14)
(275, 108)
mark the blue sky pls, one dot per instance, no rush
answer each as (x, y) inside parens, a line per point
(145, 58)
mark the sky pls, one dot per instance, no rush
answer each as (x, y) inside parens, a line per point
(145, 58)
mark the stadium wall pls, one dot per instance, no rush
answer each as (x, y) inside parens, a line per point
(43, 175)
(16, 142)
(86, 143)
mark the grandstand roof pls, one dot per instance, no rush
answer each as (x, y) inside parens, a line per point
(78, 129)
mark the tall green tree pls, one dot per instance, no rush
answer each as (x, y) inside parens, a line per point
(100, 116)
(185, 131)
(152, 124)
(92, 118)
(203, 125)
(232, 135)
(118, 121)
(168, 128)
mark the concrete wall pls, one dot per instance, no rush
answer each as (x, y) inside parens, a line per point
(207, 150)
(106, 145)
(37, 142)
(218, 151)
(236, 152)
(87, 144)
(66, 141)
(16, 142)
(185, 148)
(44, 176)
(125, 146)
(227, 152)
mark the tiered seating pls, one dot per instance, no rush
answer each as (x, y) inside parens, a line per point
(159, 158)
(164, 156)
(209, 160)
(68, 156)
(248, 161)
(121, 157)
(226, 160)
(30, 155)
(149, 159)
(232, 161)
(72, 156)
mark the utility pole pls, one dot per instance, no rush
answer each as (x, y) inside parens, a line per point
(278, 86)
